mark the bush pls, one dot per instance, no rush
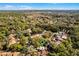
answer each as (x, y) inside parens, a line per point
(16, 47)
(39, 42)
(47, 35)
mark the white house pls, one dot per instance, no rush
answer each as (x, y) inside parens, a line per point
(59, 36)
(41, 48)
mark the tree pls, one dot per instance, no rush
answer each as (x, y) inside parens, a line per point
(39, 42)
(16, 47)
(47, 34)
(36, 30)
(24, 49)
(23, 40)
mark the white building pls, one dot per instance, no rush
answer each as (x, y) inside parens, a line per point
(41, 48)
(59, 36)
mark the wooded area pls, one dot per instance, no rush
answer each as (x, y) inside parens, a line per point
(40, 33)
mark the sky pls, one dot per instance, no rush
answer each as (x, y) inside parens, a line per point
(39, 6)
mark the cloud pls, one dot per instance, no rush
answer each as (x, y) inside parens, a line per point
(63, 8)
(26, 7)
(23, 7)
(6, 7)
(11, 7)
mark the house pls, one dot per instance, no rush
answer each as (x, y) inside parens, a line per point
(41, 48)
(63, 35)
(42, 51)
(59, 36)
